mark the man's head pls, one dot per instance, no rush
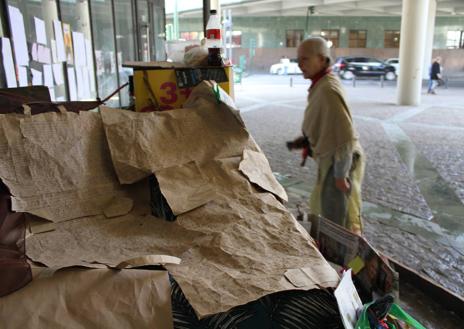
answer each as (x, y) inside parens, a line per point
(438, 59)
(313, 56)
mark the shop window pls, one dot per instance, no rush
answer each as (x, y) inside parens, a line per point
(125, 42)
(357, 39)
(183, 23)
(79, 50)
(294, 38)
(105, 52)
(34, 46)
(332, 36)
(455, 39)
(152, 27)
(391, 39)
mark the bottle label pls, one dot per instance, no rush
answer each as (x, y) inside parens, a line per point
(213, 34)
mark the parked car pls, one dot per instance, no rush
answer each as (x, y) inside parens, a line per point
(395, 62)
(292, 67)
(350, 67)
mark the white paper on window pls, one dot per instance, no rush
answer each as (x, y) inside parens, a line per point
(60, 49)
(90, 65)
(36, 77)
(79, 49)
(48, 76)
(35, 52)
(19, 36)
(54, 53)
(52, 94)
(44, 55)
(58, 73)
(8, 64)
(72, 84)
(22, 76)
(41, 34)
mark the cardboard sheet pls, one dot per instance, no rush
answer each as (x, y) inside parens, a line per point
(62, 168)
(96, 298)
(237, 243)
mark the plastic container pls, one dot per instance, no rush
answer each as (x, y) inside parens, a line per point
(214, 39)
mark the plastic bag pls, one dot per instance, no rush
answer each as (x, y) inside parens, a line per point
(395, 311)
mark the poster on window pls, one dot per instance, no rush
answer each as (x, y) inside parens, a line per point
(68, 45)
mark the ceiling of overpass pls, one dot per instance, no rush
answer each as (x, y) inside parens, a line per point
(320, 7)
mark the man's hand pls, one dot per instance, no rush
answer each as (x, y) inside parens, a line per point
(343, 184)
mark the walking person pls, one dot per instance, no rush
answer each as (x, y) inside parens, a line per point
(435, 76)
(331, 140)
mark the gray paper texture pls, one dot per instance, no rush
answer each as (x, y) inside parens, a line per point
(91, 299)
(237, 242)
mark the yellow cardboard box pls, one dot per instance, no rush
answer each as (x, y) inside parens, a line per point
(162, 80)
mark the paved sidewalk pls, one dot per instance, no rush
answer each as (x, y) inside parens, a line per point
(414, 183)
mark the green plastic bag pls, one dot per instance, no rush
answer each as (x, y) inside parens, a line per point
(395, 310)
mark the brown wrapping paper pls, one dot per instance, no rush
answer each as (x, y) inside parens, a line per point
(144, 143)
(96, 298)
(256, 167)
(57, 165)
(237, 242)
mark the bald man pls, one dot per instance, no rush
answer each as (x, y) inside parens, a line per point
(333, 141)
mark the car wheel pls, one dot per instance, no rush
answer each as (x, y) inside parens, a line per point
(348, 75)
(279, 71)
(390, 76)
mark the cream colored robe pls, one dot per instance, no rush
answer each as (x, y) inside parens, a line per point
(329, 127)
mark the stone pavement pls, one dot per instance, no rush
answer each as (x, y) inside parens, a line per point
(414, 183)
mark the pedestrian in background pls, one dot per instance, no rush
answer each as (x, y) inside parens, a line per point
(331, 139)
(435, 76)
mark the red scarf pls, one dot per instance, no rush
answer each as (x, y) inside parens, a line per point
(319, 76)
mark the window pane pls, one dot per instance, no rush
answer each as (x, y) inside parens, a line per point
(39, 43)
(179, 24)
(81, 74)
(125, 43)
(142, 22)
(184, 21)
(105, 54)
(392, 39)
(294, 38)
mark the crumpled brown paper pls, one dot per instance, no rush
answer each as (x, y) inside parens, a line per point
(256, 167)
(237, 242)
(96, 298)
(57, 165)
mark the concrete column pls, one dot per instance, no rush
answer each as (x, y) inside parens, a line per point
(429, 38)
(412, 48)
